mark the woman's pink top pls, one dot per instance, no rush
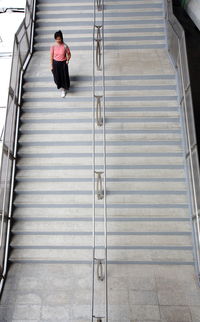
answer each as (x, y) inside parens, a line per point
(59, 52)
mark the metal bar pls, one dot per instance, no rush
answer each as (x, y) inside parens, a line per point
(4, 204)
(94, 177)
(105, 175)
(98, 48)
(100, 193)
(99, 5)
(98, 54)
(99, 120)
(99, 263)
(100, 273)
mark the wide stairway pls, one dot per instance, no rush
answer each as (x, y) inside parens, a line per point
(151, 273)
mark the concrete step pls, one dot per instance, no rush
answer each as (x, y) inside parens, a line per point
(122, 81)
(128, 152)
(139, 17)
(115, 227)
(83, 103)
(85, 197)
(43, 35)
(65, 241)
(45, 213)
(126, 35)
(110, 112)
(157, 44)
(115, 116)
(51, 255)
(119, 89)
(122, 134)
(71, 116)
(81, 2)
(27, 136)
(117, 159)
(110, 12)
(145, 172)
(122, 93)
(83, 142)
(137, 186)
(89, 191)
(70, 98)
(141, 124)
(69, 24)
(86, 7)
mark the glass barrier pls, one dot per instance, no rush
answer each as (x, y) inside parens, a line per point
(21, 49)
(178, 53)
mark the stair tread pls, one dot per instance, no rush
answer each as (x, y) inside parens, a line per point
(114, 255)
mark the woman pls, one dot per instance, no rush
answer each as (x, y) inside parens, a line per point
(60, 55)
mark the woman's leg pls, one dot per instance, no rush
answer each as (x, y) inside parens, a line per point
(56, 74)
(67, 77)
(64, 76)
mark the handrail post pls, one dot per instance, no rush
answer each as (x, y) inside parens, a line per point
(100, 273)
(98, 40)
(99, 5)
(100, 193)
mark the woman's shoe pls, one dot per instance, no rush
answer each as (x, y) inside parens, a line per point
(63, 93)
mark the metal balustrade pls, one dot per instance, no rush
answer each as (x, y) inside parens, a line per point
(99, 274)
(177, 50)
(22, 51)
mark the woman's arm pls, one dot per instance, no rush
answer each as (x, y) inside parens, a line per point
(68, 53)
(51, 57)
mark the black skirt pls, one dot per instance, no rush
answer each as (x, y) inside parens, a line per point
(61, 74)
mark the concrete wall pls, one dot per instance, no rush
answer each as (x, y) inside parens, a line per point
(193, 9)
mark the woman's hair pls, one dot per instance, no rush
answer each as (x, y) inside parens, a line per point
(58, 34)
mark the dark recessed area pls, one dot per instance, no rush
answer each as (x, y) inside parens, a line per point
(192, 34)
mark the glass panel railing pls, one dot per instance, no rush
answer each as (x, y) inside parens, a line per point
(177, 50)
(22, 50)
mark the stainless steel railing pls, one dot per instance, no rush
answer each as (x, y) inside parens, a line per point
(178, 54)
(99, 272)
(22, 51)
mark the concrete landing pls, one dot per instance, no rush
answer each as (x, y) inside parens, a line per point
(49, 292)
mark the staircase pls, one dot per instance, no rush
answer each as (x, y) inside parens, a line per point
(149, 229)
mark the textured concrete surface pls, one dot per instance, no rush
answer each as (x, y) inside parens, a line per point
(159, 293)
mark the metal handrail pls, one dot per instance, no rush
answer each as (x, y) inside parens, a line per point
(2, 133)
(99, 263)
(22, 51)
(178, 54)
